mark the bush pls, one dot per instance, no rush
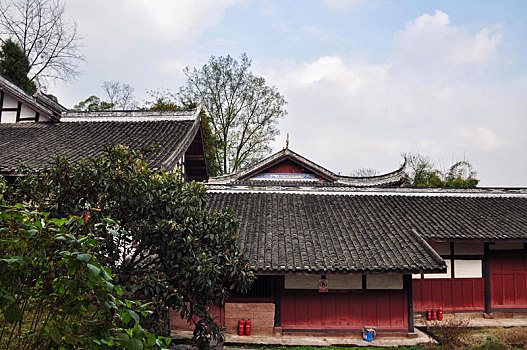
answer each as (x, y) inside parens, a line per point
(448, 332)
(54, 292)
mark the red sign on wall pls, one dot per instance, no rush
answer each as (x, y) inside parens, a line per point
(323, 285)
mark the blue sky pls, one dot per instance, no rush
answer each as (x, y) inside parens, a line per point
(365, 80)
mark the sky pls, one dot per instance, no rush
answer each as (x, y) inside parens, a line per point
(365, 80)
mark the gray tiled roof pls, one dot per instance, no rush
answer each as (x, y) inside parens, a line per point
(307, 232)
(36, 144)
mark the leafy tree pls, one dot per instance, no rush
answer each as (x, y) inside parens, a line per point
(422, 173)
(461, 174)
(50, 41)
(14, 66)
(92, 103)
(119, 96)
(55, 293)
(243, 110)
(166, 235)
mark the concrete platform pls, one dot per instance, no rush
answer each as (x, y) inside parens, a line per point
(303, 340)
(477, 320)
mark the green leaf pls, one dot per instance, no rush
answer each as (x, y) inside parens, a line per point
(84, 257)
(13, 313)
(94, 269)
(134, 315)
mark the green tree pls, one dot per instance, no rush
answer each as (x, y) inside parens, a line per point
(169, 248)
(421, 172)
(92, 103)
(243, 110)
(14, 66)
(54, 293)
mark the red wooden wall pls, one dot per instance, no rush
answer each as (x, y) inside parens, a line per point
(453, 294)
(508, 280)
(286, 167)
(343, 310)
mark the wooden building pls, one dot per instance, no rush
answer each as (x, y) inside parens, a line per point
(384, 251)
(36, 129)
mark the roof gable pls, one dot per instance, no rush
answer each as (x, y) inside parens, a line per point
(288, 168)
(42, 105)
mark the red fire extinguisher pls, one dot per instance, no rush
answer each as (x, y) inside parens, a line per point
(440, 314)
(428, 315)
(433, 314)
(241, 327)
(248, 327)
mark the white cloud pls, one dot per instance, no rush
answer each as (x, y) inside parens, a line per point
(347, 114)
(431, 40)
(126, 24)
(483, 138)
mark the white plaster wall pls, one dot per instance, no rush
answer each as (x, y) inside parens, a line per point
(416, 275)
(9, 102)
(334, 281)
(506, 245)
(8, 117)
(26, 112)
(384, 282)
(467, 268)
(468, 248)
(448, 273)
(41, 118)
(442, 248)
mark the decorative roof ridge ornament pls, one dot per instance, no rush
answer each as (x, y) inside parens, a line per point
(287, 141)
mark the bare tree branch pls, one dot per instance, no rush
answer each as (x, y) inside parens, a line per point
(51, 42)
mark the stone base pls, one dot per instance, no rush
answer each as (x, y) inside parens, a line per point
(412, 335)
(277, 331)
(488, 315)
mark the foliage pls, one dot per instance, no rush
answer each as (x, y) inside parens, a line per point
(120, 96)
(41, 30)
(243, 110)
(422, 173)
(92, 103)
(14, 66)
(163, 99)
(165, 231)
(54, 292)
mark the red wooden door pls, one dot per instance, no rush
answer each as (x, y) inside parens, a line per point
(452, 294)
(344, 310)
(508, 280)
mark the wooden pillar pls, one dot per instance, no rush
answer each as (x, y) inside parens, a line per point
(278, 287)
(408, 286)
(1, 104)
(486, 277)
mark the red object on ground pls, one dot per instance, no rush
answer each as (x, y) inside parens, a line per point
(433, 314)
(247, 327)
(429, 315)
(440, 314)
(241, 327)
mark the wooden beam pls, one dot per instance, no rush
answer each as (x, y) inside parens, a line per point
(18, 110)
(486, 278)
